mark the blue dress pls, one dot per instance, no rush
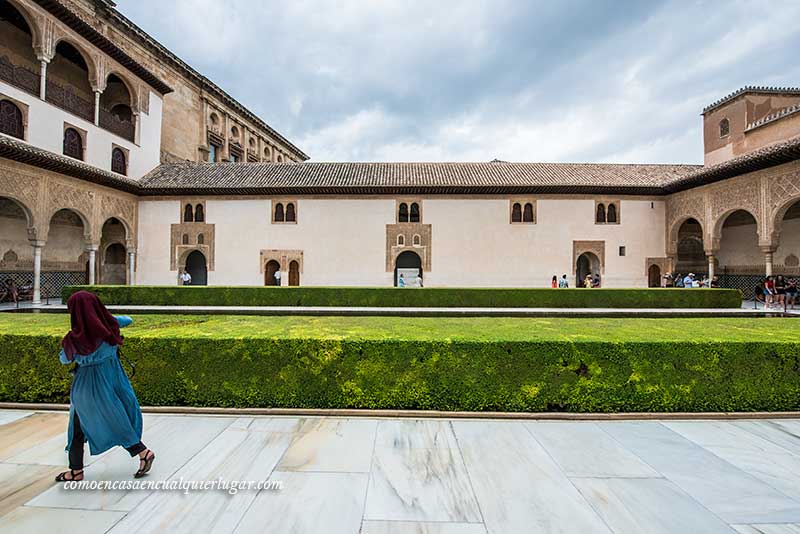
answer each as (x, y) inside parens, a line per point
(104, 400)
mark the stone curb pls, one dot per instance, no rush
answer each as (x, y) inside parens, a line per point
(430, 414)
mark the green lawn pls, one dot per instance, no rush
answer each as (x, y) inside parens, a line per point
(431, 329)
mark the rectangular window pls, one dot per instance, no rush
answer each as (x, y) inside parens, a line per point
(234, 158)
(212, 152)
(621, 251)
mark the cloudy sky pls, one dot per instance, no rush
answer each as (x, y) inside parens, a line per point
(464, 80)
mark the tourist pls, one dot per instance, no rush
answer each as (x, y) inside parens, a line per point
(554, 282)
(596, 280)
(780, 290)
(587, 282)
(688, 280)
(791, 293)
(714, 282)
(277, 276)
(678, 280)
(563, 283)
(186, 278)
(103, 407)
(419, 280)
(667, 280)
(769, 291)
(10, 291)
(401, 281)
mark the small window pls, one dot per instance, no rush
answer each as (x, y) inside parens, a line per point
(414, 213)
(73, 144)
(118, 163)
(279, 159)
(200, 239)
(185, 239)
(234, 158)
(290, 213)
(235, 133)
(403, 213)
(214, 120)
(267, 155)
(417, 240)
(611, 215)
(212, 152)
(11, 122)
(199, 215)
(279, 217)
(516, 212)
(724, 128)
(188, 213)
(401, 240)
(527, 214)
(601, 213)
(621, 251)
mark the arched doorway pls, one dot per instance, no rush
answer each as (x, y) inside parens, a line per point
(64, 257)
(21, 64)
(294, 273)
(409, 264)
(196, 266)
(787, 255)
(691, 254)
(270, 269)
(741, 262)
(16, 254)
(588, 263)
(654, 276)
(113, 271)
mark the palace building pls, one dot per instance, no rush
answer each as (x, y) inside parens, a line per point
(119, 163)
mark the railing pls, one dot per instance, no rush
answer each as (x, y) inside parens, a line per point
(112, 123)
(69, 101)
(21, 77)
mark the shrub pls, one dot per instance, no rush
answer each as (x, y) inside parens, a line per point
(408, 297)
(543, 373)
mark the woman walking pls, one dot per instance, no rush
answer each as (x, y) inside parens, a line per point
(103, 407)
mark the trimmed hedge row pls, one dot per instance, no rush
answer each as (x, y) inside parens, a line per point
(399, 297)
(557, 375)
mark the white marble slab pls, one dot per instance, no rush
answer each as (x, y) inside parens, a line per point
(519, 487)
(416, 434)
(279, 424)
(783, 433)
(759, 457)
(173, 439)
(8, 416)
(331, 445)
(776, 528)
(651, 505)
(729, 492)
(309, 502)
(411, 527)
(583, 449)
(420, 485)
(31, 520)
(234, 455)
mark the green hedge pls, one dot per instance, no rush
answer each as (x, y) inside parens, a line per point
(409, 297)
(564, 374)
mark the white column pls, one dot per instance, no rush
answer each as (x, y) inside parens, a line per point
(92, 264)
(131, 267)
(37, 272)
(768, 262)
(42, 79)
(710, 266)
(97, 108)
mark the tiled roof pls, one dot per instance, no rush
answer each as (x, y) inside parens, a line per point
(753, 89)
(407, 178)
(410, 178)
(21, 151)
(785, 112)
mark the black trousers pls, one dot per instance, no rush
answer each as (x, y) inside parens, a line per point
(76, 447)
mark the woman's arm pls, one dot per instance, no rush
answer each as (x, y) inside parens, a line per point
(123, 320)
(62, 357)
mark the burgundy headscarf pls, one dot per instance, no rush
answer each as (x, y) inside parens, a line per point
(91, 324)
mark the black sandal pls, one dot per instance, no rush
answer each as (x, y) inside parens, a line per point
(62, 477)
(148, 463)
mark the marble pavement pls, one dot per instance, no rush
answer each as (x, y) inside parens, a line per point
(402, 476)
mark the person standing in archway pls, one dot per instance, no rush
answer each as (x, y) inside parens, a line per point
(103, 407)
(186, 278)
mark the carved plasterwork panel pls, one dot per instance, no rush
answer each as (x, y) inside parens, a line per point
(283, 257)
(730, 196)
(598, 248)
(408, 231)
(180, 250)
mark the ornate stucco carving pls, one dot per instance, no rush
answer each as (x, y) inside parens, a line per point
(283, 257)
(408, 231)
(180, 250)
